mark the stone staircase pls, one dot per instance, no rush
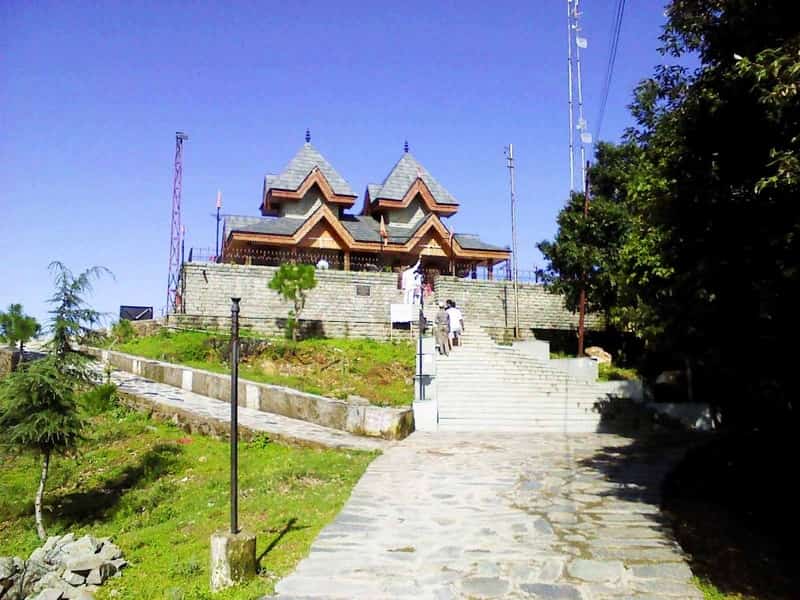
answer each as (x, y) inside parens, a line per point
(483, 386)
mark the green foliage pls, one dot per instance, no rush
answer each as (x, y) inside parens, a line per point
(122, 331)
(38, 411)
(71, 317)
(98, 399)
(293, 282)
(382, 372)
(16, 327)
(701, 260)
(161, 494)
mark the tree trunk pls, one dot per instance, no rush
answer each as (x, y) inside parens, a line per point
(20, 350)
(39, 494)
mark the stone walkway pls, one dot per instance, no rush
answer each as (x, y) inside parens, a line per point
(462, 515)
(170, 398)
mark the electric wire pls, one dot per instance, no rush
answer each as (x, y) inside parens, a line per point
(612, 59)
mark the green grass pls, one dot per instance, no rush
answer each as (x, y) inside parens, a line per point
(711, 592)
(381, 372)
(160, 494)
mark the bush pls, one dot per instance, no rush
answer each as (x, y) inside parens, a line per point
(99, 399)
(122, 331)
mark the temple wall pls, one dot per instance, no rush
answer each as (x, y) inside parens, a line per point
(304, 207)
(356, 304)
(408, 216)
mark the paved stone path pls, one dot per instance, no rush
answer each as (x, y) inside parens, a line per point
(203, 407)
(463, 515)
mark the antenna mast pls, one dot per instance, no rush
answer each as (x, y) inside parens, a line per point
(176, 237)
(586, 137)
(569, 101)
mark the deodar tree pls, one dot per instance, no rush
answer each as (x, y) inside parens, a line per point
(293, 282)
(38, 409)
(16, 327)
(38, 413)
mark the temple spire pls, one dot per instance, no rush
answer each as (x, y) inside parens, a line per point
(405, 147)
(308, 136)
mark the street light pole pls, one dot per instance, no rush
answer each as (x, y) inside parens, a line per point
(235, 415)
(510, 156)
(219, 206)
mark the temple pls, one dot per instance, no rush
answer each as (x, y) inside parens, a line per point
(306, 218)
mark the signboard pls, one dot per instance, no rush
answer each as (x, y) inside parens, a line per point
(136, 313)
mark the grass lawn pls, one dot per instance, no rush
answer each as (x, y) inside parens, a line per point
(381, 372)
(160, 494)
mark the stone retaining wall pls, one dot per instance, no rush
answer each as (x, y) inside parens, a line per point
(356, 303)
(361, 419)
(491, 304)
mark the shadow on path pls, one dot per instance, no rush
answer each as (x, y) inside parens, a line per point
(720, 499)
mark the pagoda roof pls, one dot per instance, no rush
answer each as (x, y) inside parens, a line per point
(402, 177)
(304, 162)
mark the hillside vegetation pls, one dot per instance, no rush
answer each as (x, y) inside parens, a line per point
(381, 372)
(160, 494)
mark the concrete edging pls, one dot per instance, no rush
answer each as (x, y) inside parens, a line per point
(360, 419)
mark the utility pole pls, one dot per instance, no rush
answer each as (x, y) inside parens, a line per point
(510, 161)
(175, 231)
(219, 206)
(582, 299)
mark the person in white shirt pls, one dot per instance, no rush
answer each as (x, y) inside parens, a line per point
(456, 322)
(322, 264)
(408, 283)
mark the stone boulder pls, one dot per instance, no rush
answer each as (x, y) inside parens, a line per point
(597, 353)
(64, 568)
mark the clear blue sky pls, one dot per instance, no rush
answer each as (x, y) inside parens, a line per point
(91, 95)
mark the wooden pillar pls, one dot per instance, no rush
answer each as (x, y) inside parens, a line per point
(489, 270)
(346, 260)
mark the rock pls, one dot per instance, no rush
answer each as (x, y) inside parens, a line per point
(596, 570)
(99, 575)
(86, 545)
(484, 587)
(547, 591)
(39, 555)
(110, 552)
(82, 565)
(51, 543)
(51, 580)
(598, 354)
(49, 594)
(7, 569)
(73, 578)
(34, 571)
(119, 563)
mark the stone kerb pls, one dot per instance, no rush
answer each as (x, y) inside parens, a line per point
(361, 419)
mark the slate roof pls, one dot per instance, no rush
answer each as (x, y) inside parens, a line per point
(273, 226)
(404, 173)
(471, 241)
(300, 166)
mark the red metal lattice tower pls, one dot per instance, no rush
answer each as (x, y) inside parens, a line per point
(173, 294)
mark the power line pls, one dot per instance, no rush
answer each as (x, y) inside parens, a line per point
(613, 46)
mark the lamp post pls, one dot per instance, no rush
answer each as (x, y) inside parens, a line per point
(235, 415)
(233, 553)
(219, 206)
